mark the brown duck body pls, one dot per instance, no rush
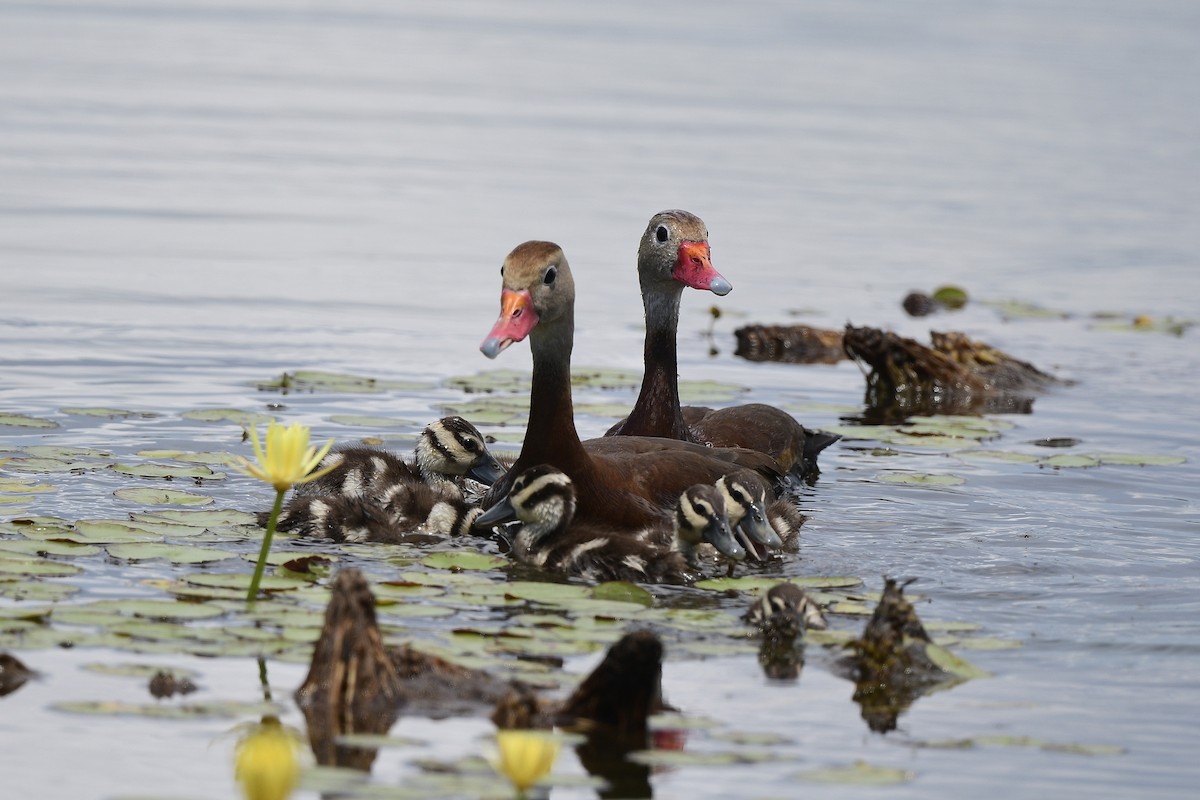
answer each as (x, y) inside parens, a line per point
(628, 482)
(674, 253)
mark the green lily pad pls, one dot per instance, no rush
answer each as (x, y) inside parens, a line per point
(376, 741)
(231, 580)
(623, 592)
(752, 583)
(161, 497)
(23, 421)
(999, 455)
(109, 413)
(463, 559)
(989, 643)
(545, 592)
(671, 721)
(175, 553)
(37, 591)
(683, 758)
(219, 709)
(47, 548)
(220, 458)
(40, 465)
(922, 479)
(705, 392)
(496, 380)
(168, 471)
(952, 297)
(110, 531)
(140, 671)
(1057, 747)
(32, 567)
(858, 773)
(953, 664)
(756, 739)
(234, 415)
(64, 453)
(206, 518)
(311, 380)
(25, 486)
(1019, 309)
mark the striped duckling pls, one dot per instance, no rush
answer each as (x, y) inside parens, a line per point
(346, 518)
(756, 517)
(446, 451)
(375, 496)
(785, 611)
(543, 499)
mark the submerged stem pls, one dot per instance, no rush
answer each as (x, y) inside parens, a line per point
(252, 593)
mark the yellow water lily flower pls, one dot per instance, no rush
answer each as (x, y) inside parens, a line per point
(288, 458)
(526, 756)
(266, 765)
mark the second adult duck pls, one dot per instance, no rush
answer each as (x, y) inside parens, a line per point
(628, 481)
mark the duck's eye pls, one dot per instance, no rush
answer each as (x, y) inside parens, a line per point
(471, 445)
(501, 270)
(551, 274)
(739, 498)
(662, 234)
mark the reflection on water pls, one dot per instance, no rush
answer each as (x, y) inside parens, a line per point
(195, 198)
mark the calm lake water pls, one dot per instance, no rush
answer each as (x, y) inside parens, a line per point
(200, 195)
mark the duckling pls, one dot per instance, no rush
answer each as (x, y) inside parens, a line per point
(785, 611)
(405, 508)
(543, 499)
(776, 526)
(447, 449)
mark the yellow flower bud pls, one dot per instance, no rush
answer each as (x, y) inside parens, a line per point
(266, 764)
(526, 756)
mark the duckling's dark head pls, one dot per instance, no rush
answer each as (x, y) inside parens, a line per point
(453, 446)
(700, 517)
(745, 496)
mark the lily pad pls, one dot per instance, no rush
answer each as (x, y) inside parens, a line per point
(24, 421)
(25, 486)
(109, 413)
(168, 471)
(858, 773)
(220, 709)
(623, 592)
(161, 497)
(704, 392)
(999, 455)
(752, 583)
(953, 664)
(234, 415)
(175, 553)
(42, 568)
(47, 548)
(922, 479)
(140, 671)
(199, 518)
(463, 559)
(311, 380)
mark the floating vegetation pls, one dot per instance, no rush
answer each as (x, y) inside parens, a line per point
(1144, 323)
(1020, 309)
(922, 479)
(23, 421)
(234, 415)
(317, 381)
(108, 413)
(857, 773)
(215, 709)
(168, 471)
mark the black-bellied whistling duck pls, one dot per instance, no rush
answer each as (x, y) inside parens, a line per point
(543, 499)
(447, 449)
(674, 253)
(626, 481)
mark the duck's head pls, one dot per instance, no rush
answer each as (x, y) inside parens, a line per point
(674, 250)
(745, 496)
(453, 446)
(787, 610)
(700, 517)
(537, 290)
(542, 498)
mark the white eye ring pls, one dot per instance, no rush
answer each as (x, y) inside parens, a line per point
(662, 234)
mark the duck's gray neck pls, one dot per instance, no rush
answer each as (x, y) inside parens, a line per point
(657, 412)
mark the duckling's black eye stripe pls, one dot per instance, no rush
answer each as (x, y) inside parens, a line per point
(441, 448)
(540, 495)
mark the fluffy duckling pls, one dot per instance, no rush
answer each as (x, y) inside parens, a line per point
(448, 449)
(776, 526)
(785, 611)
(405, 508)
(543, 499)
